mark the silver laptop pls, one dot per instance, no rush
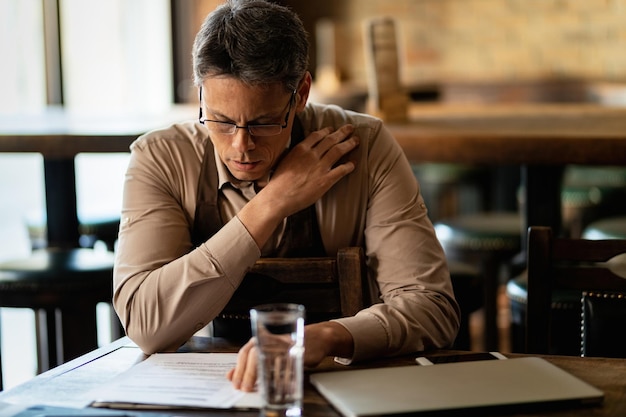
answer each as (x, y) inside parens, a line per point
(528, 381)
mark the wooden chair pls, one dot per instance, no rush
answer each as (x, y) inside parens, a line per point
(561, 263)
(327, 287)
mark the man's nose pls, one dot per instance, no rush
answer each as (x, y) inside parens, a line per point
(242, 140)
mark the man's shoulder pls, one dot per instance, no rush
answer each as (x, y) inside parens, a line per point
(318, 115)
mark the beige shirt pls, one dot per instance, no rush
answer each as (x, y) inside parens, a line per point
(165, 289)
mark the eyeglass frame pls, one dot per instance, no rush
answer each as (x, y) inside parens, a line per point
(249, 126)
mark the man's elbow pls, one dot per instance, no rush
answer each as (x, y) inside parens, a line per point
(151, 342)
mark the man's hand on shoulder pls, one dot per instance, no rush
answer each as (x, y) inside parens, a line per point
(312, 167)
(301, 178)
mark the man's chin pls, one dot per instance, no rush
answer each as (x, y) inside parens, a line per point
(245, 175)
(248, 178)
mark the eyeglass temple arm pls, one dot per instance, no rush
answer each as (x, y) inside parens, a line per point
(200, 99)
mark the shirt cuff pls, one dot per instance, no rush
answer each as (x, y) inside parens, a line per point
(369, 335)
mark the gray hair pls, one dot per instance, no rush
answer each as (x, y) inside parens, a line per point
(258, 42)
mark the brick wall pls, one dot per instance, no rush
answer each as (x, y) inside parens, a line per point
(478, 40)
(487, 39)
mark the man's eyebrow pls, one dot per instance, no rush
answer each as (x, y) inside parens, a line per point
(218, 115)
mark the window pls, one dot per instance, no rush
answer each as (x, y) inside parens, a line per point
(116, 58)
(116, 55)
(22, 79)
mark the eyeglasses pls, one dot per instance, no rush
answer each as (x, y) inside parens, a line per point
(229, 128)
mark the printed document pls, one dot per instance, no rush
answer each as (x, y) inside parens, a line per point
(176, 380)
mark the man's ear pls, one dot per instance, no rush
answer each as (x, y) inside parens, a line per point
(302, 93)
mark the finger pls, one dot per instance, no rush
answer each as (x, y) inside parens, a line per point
(339, 171)
(250, 375)
(341, 153)
(316, 137)
(236, 375)
(333, 139)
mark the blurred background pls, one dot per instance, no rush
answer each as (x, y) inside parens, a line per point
(134, 57)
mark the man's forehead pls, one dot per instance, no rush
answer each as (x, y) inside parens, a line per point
(229, 81)
(224, 98)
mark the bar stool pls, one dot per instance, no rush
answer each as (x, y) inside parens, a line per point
(489, 240)
(63, 286)
(591, 193)
(450, 190)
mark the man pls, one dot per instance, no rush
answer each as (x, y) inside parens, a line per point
(203, 201)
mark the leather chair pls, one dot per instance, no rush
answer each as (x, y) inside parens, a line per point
(566, 312)
(582, 265)
(603, 312)
(566, 307)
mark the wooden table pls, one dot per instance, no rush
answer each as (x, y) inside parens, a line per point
(541, 138)
(59, 136)
(62, 386)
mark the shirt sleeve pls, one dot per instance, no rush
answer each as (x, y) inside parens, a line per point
(164, 289)
(416, 310)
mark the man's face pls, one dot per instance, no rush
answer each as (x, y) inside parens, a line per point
(226, 99)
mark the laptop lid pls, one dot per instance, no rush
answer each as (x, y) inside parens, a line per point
(453, 386)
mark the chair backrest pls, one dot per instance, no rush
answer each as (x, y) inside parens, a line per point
(327, 287)
(562, 263)
(604, 315)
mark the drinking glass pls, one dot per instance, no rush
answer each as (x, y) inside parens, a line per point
(279, 333)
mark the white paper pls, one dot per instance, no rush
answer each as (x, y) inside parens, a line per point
(177, 380)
